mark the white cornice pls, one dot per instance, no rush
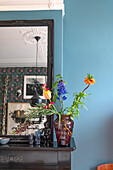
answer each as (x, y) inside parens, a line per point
(25, 5)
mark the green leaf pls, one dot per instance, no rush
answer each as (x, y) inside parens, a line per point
(54, 85)
(89, 76)
(59, 120)
(72, 116)
(55, 98)
(64, 82)
(85, 107)
(68, 113)
(58, 76)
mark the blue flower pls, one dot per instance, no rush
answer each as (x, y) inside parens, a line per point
(64, 97)
(59, 94)
(61, 90)
(61, 84)
(64, 91)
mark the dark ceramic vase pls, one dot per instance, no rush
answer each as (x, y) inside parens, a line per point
(64, 132)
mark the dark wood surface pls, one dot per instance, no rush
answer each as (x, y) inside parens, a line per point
(24, 156)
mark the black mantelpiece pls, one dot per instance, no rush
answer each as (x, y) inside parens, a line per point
(24, 156)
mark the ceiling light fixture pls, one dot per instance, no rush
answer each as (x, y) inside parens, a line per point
(36, 98)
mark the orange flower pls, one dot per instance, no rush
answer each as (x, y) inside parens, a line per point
(47, 94)
(89, 80)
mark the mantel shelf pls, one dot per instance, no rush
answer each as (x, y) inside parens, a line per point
(27, 147)
(23, 5)
(24, 156)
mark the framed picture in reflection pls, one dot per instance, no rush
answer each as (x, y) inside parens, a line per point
(17, 113)
(33, 83)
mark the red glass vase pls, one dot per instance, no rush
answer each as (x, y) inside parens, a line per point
(64, 132)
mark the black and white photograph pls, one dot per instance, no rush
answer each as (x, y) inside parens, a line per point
(32, 84)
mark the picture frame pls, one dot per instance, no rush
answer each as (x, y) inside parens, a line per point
(17, 113)
(33, 83)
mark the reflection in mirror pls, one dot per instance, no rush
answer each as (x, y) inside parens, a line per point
(22, 64)
(22, 41)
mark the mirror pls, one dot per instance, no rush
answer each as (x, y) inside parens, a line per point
(21, 59)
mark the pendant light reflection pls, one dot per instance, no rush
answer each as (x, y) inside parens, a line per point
(36, 99)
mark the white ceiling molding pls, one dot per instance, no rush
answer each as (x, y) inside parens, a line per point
(25, 5)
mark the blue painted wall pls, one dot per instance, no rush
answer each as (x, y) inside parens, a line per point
(88, 47)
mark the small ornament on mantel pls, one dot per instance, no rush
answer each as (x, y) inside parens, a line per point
(38, 135)
(46, 134)
(31, 139)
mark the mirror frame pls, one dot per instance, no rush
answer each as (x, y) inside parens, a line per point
(50, 56)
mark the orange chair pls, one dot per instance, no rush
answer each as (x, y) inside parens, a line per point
(105, 167)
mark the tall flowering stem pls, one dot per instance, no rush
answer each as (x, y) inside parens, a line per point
(74, 109)
(61, 91)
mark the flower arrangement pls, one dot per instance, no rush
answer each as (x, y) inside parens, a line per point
(52, 108)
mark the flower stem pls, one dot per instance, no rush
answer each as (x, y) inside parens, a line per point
(57, 105)
(62, 104)
(53, 105)
(85, 88)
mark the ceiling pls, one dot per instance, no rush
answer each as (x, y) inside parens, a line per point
(23, 5)
(18, 46)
